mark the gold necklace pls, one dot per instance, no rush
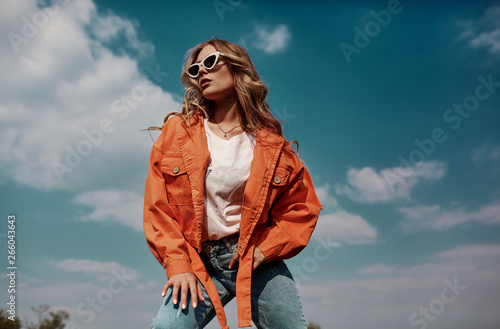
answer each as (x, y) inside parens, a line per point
(225, 132)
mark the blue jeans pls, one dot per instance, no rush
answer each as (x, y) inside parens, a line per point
(275, 299)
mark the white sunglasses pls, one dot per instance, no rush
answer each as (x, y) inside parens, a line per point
(209, 63)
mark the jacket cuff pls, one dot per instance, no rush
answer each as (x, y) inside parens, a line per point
(269, 249)
(177, 266)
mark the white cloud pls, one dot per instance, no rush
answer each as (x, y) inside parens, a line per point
(327, 200)
(124, 207)
(485, 153)
(439, 218)
(272, 40)
(108, 28)
(468, 253)
(336, 226)
(101, 270)
(384, 296)
(62, 81)
(343, 227)
(485, 33)
(387, 185)
(377, 269)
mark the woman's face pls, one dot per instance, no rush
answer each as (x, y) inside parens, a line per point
(217, 84)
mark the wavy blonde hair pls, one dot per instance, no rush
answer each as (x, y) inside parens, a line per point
(251, 90)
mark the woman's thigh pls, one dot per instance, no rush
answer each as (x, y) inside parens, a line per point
(172, 316)
(275, 299)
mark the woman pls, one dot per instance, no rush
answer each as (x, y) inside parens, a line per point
(226, 199)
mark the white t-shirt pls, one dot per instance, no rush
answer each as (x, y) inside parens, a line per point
(225, 180)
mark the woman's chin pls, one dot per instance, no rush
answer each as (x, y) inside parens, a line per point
(218, 95)
(207, 93)
(210, 95)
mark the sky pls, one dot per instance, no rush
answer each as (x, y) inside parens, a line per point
(395, 105)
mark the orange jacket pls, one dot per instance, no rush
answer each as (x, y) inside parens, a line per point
(279, 212)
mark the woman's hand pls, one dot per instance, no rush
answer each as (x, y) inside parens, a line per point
(258, 258)
(184, 282)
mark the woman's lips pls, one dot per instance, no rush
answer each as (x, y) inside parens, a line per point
(204, 82)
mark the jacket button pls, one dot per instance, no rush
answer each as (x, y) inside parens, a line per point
(176, 170)
(277, 180)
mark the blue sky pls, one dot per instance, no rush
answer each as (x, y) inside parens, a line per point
(395, 107)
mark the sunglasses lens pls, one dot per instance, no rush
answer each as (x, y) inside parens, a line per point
(193, 70)
(210, 61)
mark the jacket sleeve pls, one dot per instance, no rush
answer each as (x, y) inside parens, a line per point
(293, 217)
(162, 231)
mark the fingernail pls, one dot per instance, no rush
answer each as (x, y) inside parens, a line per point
(194, 305)
(175, 301)
(163, 294)
(183, 306)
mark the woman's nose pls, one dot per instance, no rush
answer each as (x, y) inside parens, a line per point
(202, 70)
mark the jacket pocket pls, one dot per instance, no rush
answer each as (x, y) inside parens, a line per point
(177, 181)
(279, 182)
(280, 177)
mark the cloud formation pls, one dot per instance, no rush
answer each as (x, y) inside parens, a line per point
(328, 202)
(337, 226)
(367, 185)
(485, 33)
(71, 108)
(100, 270)
(97, 300)
(441, 218)
(272, 40)
(388, 295)
(486, 152)
(124, 207)
(342, 227)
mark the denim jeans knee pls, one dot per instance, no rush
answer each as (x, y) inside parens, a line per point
(172, 316)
